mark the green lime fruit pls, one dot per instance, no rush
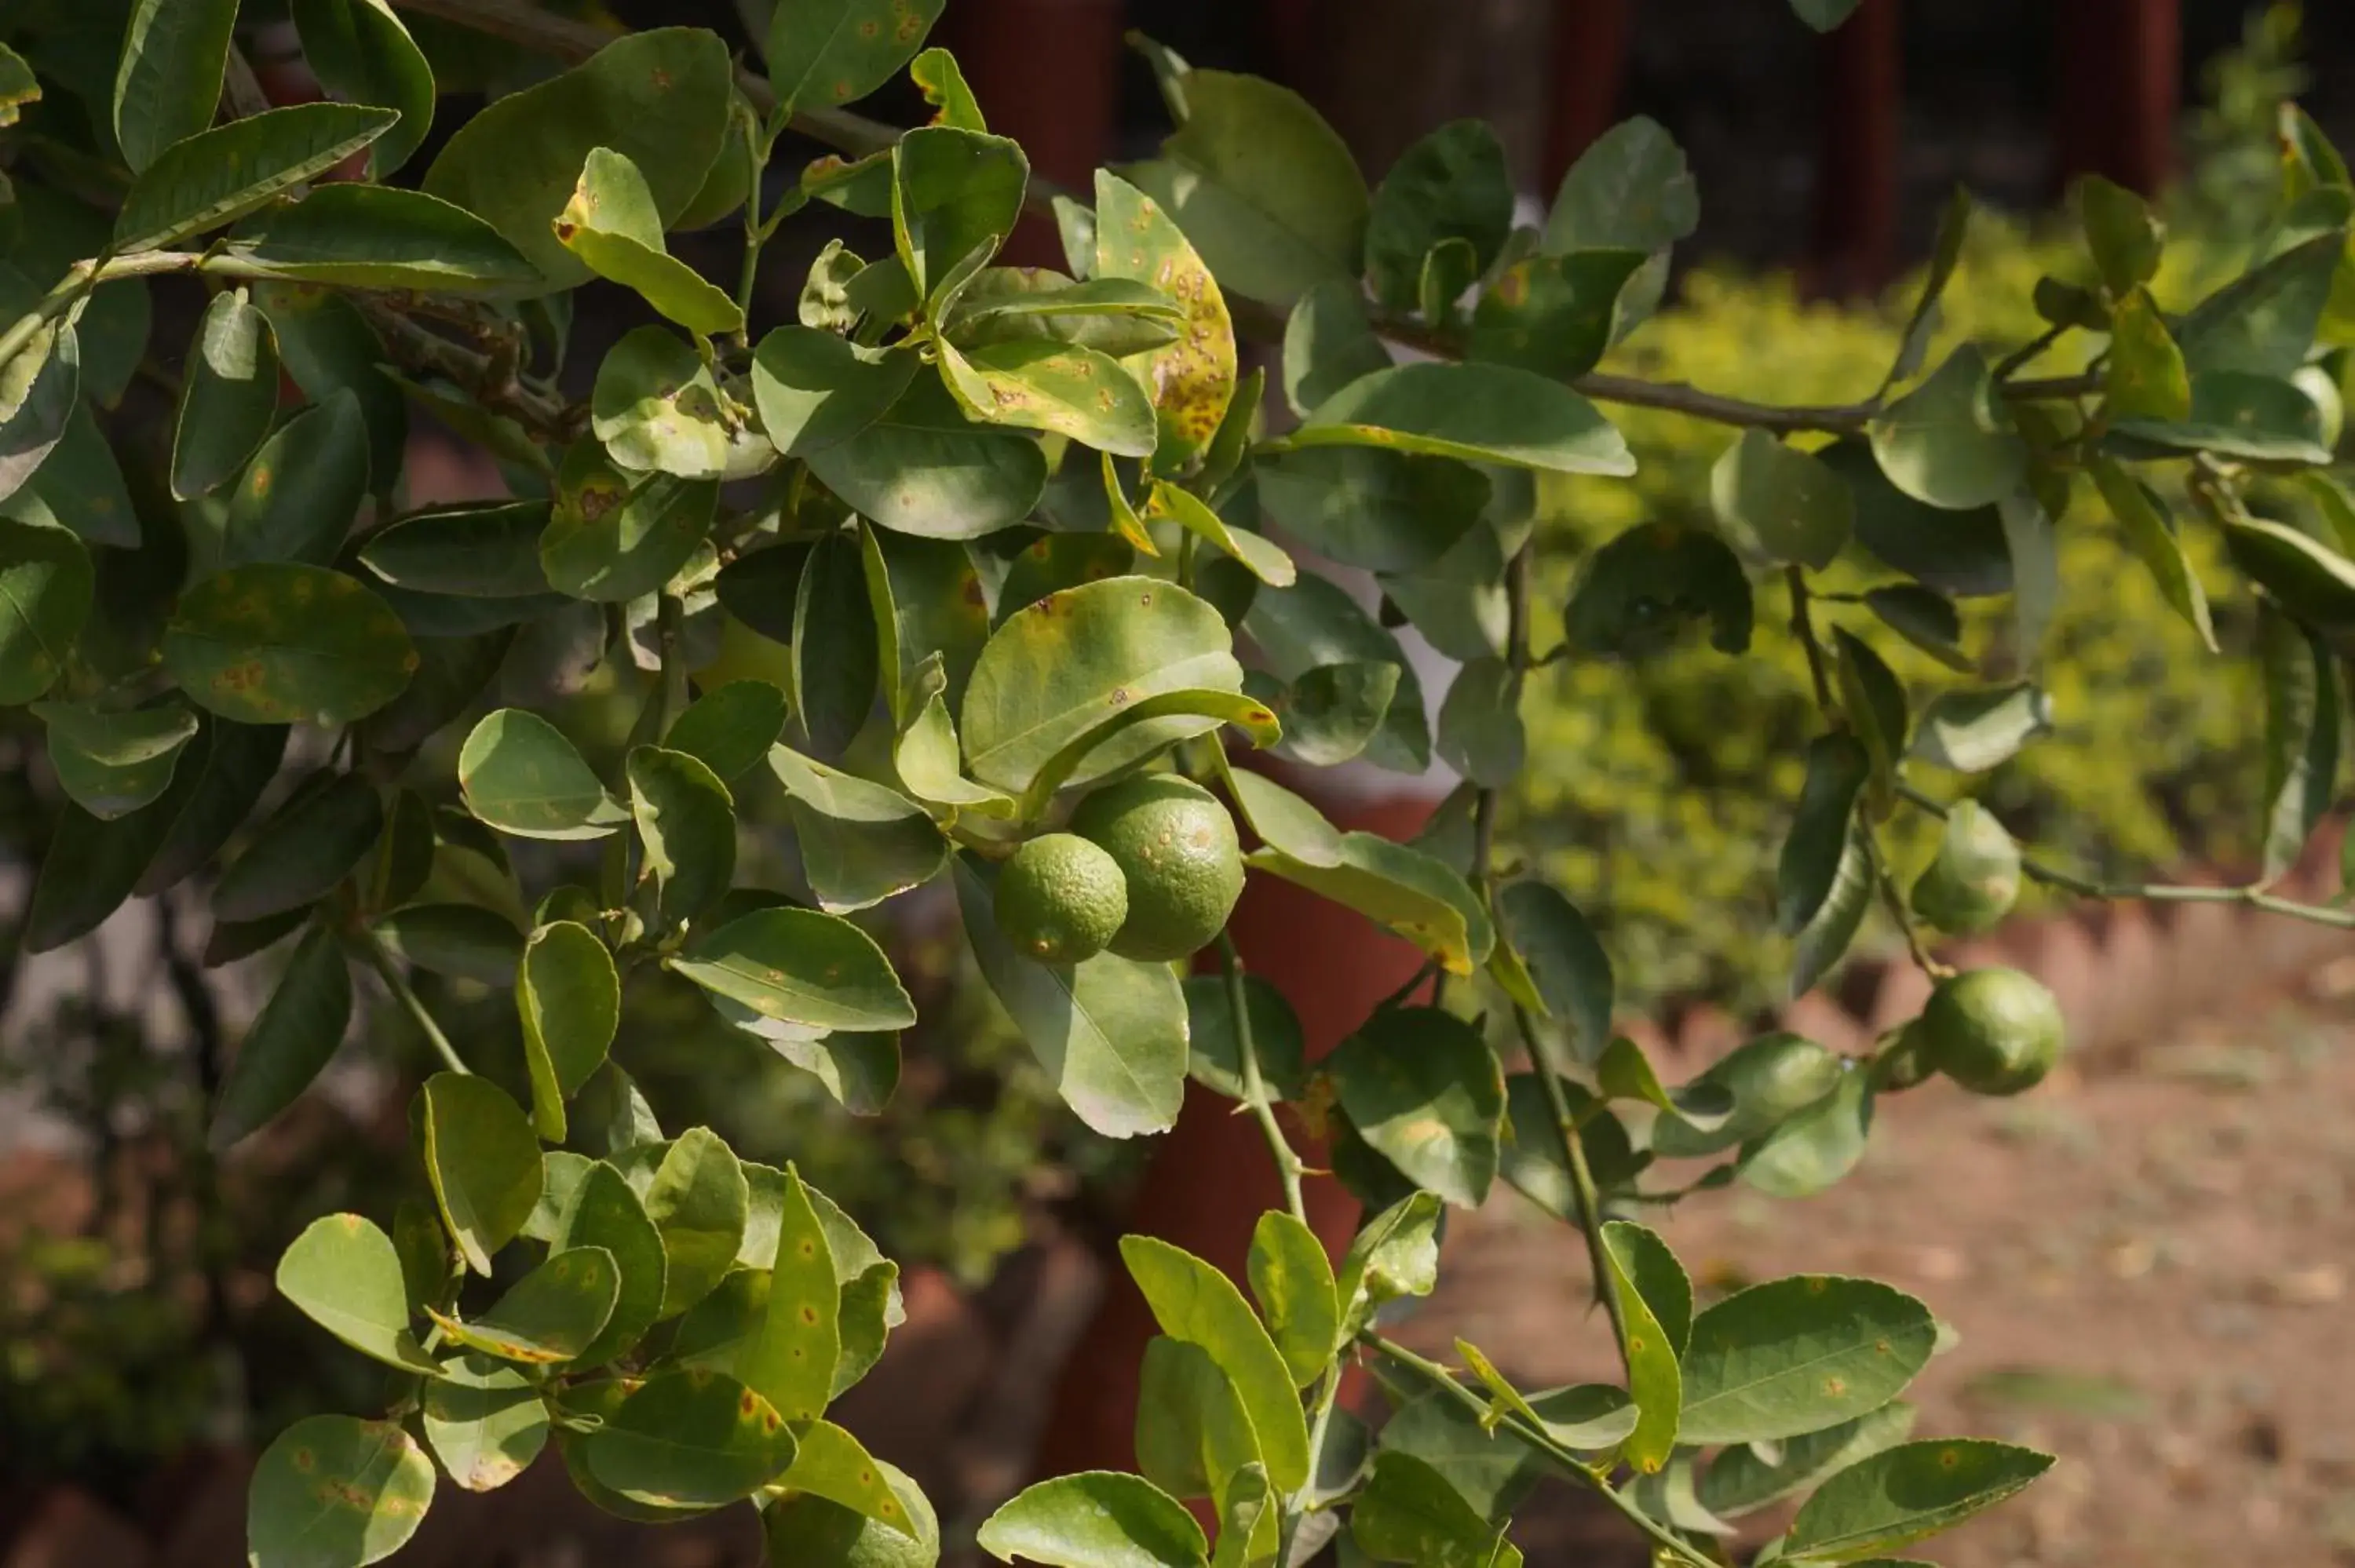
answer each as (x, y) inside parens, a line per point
(1973, 881)
(1177, 847)
(1993, 1031)
(1060, 898)
(803, 1528)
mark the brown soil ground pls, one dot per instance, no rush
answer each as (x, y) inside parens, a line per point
(2148, 1265)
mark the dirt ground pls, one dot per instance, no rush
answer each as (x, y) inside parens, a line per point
(2148, 1268)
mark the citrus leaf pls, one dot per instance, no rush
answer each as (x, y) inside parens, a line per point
(699, 1200)
(482, 1161)
(955, 195)
(604, 1211)
(551, 1315)
(1293, 1279)
(1410, 1512)
(167, 84)
(2302, 743)
(276, 642)
(569, 997)
(861, 842)
(1794, 1355)
(826, 53)
(520, 775)
(921, 467)
(1191, 378)
(1424, 1088)
(344, 1276)
(613, 225)
(1397, 886)
(690, 1439)
(1741, 1479)
(308, 846)
(687, 824)
(289, 1042)
(1630, 190)
(1451, 183)
(1480, 413)
(379, 236)
(1946, 444)
(1782, 501)
(816, 390)
(1904, 1493)
(832, 1464)
(790, 1360)
(798, 965)
(337, 1492)
(217, 176)
(486, 1423)
(1096, 1519)
(362, 53)
(114, 763)
(229, 397)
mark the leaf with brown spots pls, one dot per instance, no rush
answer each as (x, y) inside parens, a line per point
(825, 53)
(551, 1315)
(1798, 1355)
(790, 1360)
(486, 1423)
(1192, 379)
(834, 1464)
(279, 643)
(690, 1439)
(334, 1489)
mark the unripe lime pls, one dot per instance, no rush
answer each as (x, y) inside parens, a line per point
(1972, 884)
(1177, 845)
(1060, 899)
(802, 1527)
(1993, 1031)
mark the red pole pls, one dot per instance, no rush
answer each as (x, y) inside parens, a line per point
(1210, 1178)
(1589, 66)
(2121, 73)
(1856, 195)
(1047, 73)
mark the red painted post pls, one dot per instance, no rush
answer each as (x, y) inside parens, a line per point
(1588, 68)
(1047, 73)
(1857, 188)
(1210, 1178)
(2121, 69)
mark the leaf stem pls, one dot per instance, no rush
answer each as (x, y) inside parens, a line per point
(1564, 1460)
(1279, 1148)
(2253, 895)
(398, 984)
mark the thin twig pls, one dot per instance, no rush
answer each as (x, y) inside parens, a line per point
(398, 984)
(1279, 1148)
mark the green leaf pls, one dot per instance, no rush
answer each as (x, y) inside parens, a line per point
(1480, 733)
(2145, 378)
(1925, 617)
(39, 389)
(1633, 598)
(1193, 1435)
(569, 997)
(1825, 939)
(520, 775)
(371, 236)
(1398, 887)
(1451, 184)
(1953, 228)
(167, 83)
(659, 99)
(45, 588)
(1408, 1512)
(1316, 624)
(1781, 502)
(1332, 713)
(1873, 700)
(1816, 1145)
(1293, 1279)
(1958, 553)
(1425, 1091)
(1625, 1073)
(305, 848)
(114, 763)
(2313, 582)
(551, 1315)
(805, 1531)
(1741, 1479)
(698, 1201)
(1794, 1356)
(612, 224)
(2150, 534)
(690, 1439)
(816, 390)
(2123, 233)
(798, 965)
(80, 486)
(275, 642)
(618, 535)
(2303, 745)
(832, 1464)
(836, 653)
(1492, 1471)
(1393, 1254)
(955, 195)
(1123, 317)
(1110, 1031)
(2263, 323)
(1198, 1305)
(687, 824)
(729, 727)
(332, 1491)
(1096, 1519)
(1905, 1493)
(1769, 1079)
(1565, 959)
(289, 1042)
(1555, 315)
(1384, 511)
(1263, 188)
(1261, 555)
(1640, 1263)
(924, 468)
(486, 552)
(1328, 342)
(1838, 765)
(483, 1162)
(603, 1212)
(1061, 669)
(486, 1423)
(360, 52)
(790, 1360)
(1480, 413)
(861, 842)
(1630, 190)
(301, 491)
(656, 408)
(328, 346)
(936, 76)
(826, 53)
(1972, 731)
(1214, 1055)
(1948, 443)
(1068, 389)
(344, 1276)
(229, 398)
(217, 176)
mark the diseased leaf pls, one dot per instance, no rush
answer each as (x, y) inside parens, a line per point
(217, 176)
(331, 1489)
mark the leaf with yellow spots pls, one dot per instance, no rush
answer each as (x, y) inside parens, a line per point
(1192, 379)
(832, 1464)
(1398, 887)
(1653, 1377)
(798, 965)
(274, 642)
(1261, 555)
(1798, 1354)
(690, 1439)
(790, 1360)
(825, 53)
(336, 1489)
(1038, 384)
(1425, 1091)
(551, 1315)
(345, 1274)
(1907, 1492)
(486, 1423)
